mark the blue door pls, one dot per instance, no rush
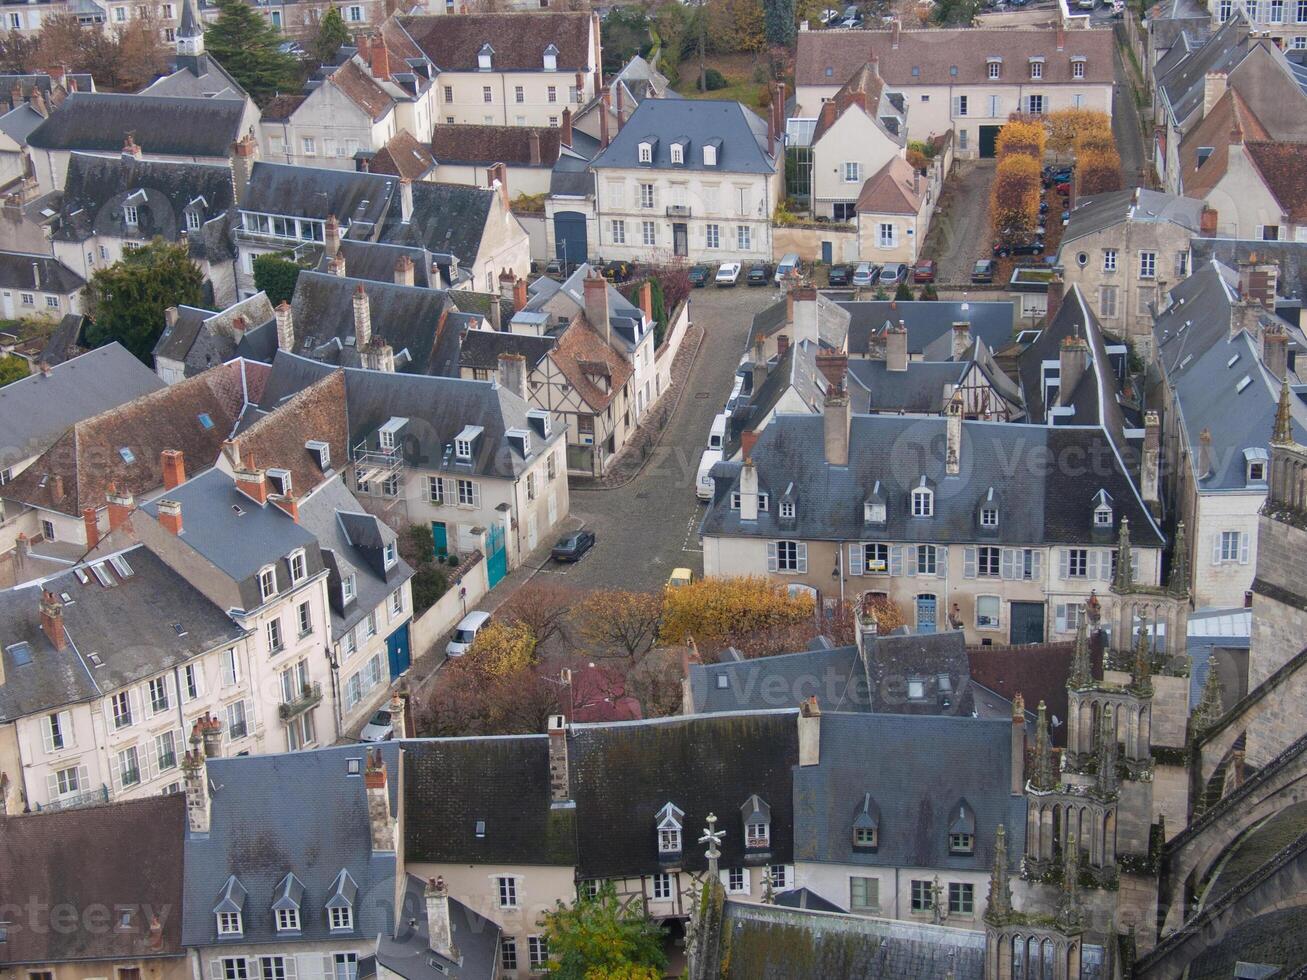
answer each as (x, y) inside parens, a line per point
(497, 559)
(827, 253)
(397, 651)
(925, 614)
(569, 238)
(440, 537)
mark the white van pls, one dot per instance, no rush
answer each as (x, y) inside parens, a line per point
(789, 263)
(702, 481)
(465, 632)
(717, 434)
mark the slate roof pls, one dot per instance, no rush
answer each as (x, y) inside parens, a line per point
(1181, 88)
(408, 953)
(1037, 507)
(1230, 115)
(929, 657)
(197, 77)
(58, 861)
(1289, 257)
(19, 122)
(740, 136)
(804, 898)
(623, 774)
(928, 321)
(472, 144)
(402, 156)
(37, 409)
(1103, 211)
(1037, 671)
(96, 188)
(281, 107)
(317, 192)
(481, 349)
(29, 82)
(518, 39)
(129, 624)
(277, 439)
(1283, 167)
(201, 339)
(301, 813)
(43, 273)
(376, 262)
(447, 218)
(825, 57)
(895, 188)
(66, 341)
(164, 125)
(453, 785)
(832, 323)
(917, 771)
(918, 390)
(834, 676)
(772, 943)
(122, 445)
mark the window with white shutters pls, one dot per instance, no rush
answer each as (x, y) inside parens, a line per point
(787, 556)
(1230, 547)
(57, 731)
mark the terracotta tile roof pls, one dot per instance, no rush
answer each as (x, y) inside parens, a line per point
(399, 44)
(1230, 114)
(123, 446)
(824, 57)
(494, 144)
(1283, 167)
(362, 90)
(282, 107)
(518, 39)
(403, 156)
(863, 89)
(277, 440)
(893, 189)
(582, 356)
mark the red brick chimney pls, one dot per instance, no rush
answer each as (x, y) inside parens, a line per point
(834, 367)
(288, 504)
(170, 516)
(748, 439)
(251, 482)
(52, 620)
(646, 300)
(121, 506)
(782, 343)
(380, 59)
(519, 296)
(565, 134)
(1056, 290)
(498, 175)
(1207, 222)
(174, 468)
(92, 523)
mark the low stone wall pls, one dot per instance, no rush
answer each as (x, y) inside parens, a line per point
(677, 324)
(805, 242)
(462, 596)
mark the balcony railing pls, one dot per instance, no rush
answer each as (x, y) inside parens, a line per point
(92, 797)
(310, 697)
(678, 210)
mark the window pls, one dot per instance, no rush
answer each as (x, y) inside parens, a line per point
(346, 966)
(864, 837)
(959, 105)
(1147, 265)
(275, 640)
(297, 566)
(1181, 264)
(961, 898)
(237, 720)
(662, 886)
(165, 750)
(47, 530)
(507, 953)
(1102, 517)
(1270, 233)
(1225, 8)
(449, 93)
(1300, 13)
(757, 834)
(743, 238)
(348, 588)
(1107, 296)
(1035, 104)
(355, 14)
(58, 727)
(397, 602)
(1109, 260)
(192, 220)
(507, 891)
(885, 235)
(852, 172)
(551, 93)
(272, 967)
(300, 733)
(235, 968)
(1077, 69)
(519, 95)
(267, 583)
(122, 709)
(1230, 547)
(130, 215)
(987, 612)
(468, 493)
(1036, 69)
(65, 782)
(537, 950)
(486, 94)
(310, 148)
(787, 510)
(669, 840)
(648, 232)
(988, 560)
(995, 69)
(1257, 472)
(229, 924)
(619, 232)
(646, 154)
(864, 894)
(304, 615)
(646, 195)
(736, 882)
(779, 875)
(158, 695)
(129, 766)
(1277, 12)
(709, 156)
(288, 920)
(52, 302)
(923, 899)
(927, 562)
(1077, 563)
(989, 517)
(791, 556)
(876, 559)
(712, 236)
(961, 843)
(923, 502)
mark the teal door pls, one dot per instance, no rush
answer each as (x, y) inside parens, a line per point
(397, 651)
(440, 537)
(925, 614)
(827, 252)
(497, 559)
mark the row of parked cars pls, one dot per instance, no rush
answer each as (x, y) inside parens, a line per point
(867, 274)
(760, 273)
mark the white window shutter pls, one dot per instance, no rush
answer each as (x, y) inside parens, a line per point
(1060, 617)
(969, 563)
(896, 559)
(1216, 548)
(83, 779)
(290, 965)
(215, 969)
(52, 785)
(47, 734)
(803, 556)
(957, 105)
(1105, 565)
(1243, 547)
(1036, 564)
(134, 697)
(249, 715)
(1063, 563)
(912, 560)
(855, 559)
(771, 556)
(1134, 565)
(941, 560)
(1007, 564)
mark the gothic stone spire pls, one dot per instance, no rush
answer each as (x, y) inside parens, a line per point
(1124, 565)
(1000, 889)
(1070, 916)
(1282, 434)
(1082, 674)
(1044, 777)
(1179, 581)
(1142, 675)
(1209, 709)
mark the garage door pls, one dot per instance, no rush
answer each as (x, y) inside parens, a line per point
(988, 139)
(569, 237)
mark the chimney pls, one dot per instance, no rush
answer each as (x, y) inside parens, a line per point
(953, 435)
(1258, 282)
(1214, 85)
(512, 373)
(130, 150)
(896, 347)
(603, 118)
(596, 302)
(403, 271)
(251, 482)
(789, 305)
(782, 343)
(646, 300)
(497, 179)
(1061, 34)
(771, 120)
(748, 439)
(1207, 222)
(405, 200)
(961, 338)
(1056, 290)
(208, 732)
(398, 726)
(1018, 745)
(331, 237)
(1204, 453)
(804, 321)
(748, 491)
(1071, 367)
(894, 28)
(232, 451)
(52, 619)
(834, 367)
(379, 59)
(374, 782)
(533, 141)
(337, 266)
(242, 164)
(440, 935)
(519, 294)
(196, 777)
(1150, 471)
(1275, 351)
(565, 134)
(173, 463)
(496, 316)
(809, 732)
(836, 418)
(560, 786)
(91, 522)
(362, 318)
(156, 933)
(170, 516)
(288, 505)
(121, 506)
(364, 45)
(621, 109)
(285, 326)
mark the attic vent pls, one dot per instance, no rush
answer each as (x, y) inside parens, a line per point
(206, 421)
(127, 455)
(95, 660)
(1244, 382)
(481, 828)
(179, 629)
(120, 566)
(1232, 361)
(67, 598)
(21, 653)
(723, 681)
(102, 575)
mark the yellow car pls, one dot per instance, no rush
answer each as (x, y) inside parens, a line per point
(680, 576)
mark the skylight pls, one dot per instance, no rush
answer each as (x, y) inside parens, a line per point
(102, 575)
(127, 455)
(120, 566)
(205, 420)
(1233, 360)
(21, 653)
(1244, 382)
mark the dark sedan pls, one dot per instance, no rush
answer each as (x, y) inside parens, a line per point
(573, 547)
(759, 274)
(983, 271)
(1004, 249)
(840, 275)
(699, 276)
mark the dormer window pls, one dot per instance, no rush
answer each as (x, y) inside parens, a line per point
(297, 566)
(668, 825)
(229, 924)
(347, 589)
(288, 920)
(391, 554)
(464, 442)
(484, 56)
(192, 219)
(962, 830)
(787, 510)
(873, 508)
(989, 517)
(995, 66)
(342, 919)
(267, 583)
(923, 500)
(231, 902)
(646, 152)
(551, 58)
(678, 153)
(1255, 464)
(1036, 67)
(1102, 510)
(340, 903)
(286, 903)
(866, 825)
(709, 155)
(757, 824)
(1077, 67)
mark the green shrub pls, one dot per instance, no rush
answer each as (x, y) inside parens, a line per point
(713, 80)
(429, 584)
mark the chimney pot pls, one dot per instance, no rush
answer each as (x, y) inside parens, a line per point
(91, 522)
(809, 732)
(331, 237)
(519, 294)
(52, 619)
(173, 464)
(896, 347)
(251, 482)
(285, 327)
(837, 417)
(170, 516)
(404, 271)
(560, 789)
(378, 796)
(362, 318)
(121, 506)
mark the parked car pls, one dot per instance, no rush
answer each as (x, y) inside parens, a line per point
(829, 16)
(839, 275)
(983, 271)
(1086, 4)
(572, 547)
(465, 632)
(702, 481)
(717, 431)
(788, 265)
(728, 274)
(865, 274)
(1064, 188)
(679, 577)
(737, 393)
(1004, 249)
(699, 276)
(893, 273)
(759, 274)
(924, 271)
(619, 271)
(378, 729)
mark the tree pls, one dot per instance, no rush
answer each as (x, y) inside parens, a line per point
(467, 701)
(1021, 136)
(16, 52)
(540, 605)
(138, 57)
(127, 300)
(128, 57)
(1014, 197)
(736, 25)
(597, 938)
(904, 292)
(928, 292)
(716, 610)
(249, 48)
(779, 22)
(501, 648)
(1066, 126)
(1097, 172)
(276, 274)
(12, 368)
(671, 22)
(655, 681)
(617, 618)
(332, 33)
(626, 34)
